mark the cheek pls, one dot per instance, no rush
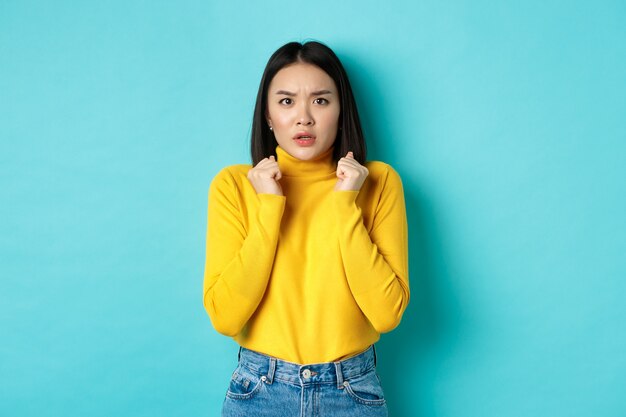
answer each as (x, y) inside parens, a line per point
(335, 113)
(281, 118)
(331, 119)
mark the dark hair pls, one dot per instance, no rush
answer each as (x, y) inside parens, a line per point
(349, 135)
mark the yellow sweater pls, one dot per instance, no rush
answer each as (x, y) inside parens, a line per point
(312, 276)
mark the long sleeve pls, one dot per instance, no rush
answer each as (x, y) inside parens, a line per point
(238, 261)
(376, 264)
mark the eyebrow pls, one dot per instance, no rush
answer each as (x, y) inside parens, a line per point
(314, 93)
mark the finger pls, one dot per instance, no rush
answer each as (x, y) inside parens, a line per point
(273, 160)
(277, 174)
(346, 169)
(274, 170)
(266, 161)
(347, 162)
(262, 162)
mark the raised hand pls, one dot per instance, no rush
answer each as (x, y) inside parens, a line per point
(351, 175)
(265, 175)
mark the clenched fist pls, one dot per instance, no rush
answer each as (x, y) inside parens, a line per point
(351, 174)
(265, 175)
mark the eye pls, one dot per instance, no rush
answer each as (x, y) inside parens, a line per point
(320, 101)
(287, 101)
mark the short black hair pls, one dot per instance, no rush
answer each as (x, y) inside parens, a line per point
(350, 133)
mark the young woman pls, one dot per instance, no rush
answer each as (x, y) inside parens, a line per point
(306, 257)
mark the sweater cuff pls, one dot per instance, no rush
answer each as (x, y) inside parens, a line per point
(272, 201)
(271, 209)
(345, 198)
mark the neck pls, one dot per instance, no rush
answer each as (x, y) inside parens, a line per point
(291, 166)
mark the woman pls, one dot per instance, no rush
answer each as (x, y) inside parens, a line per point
(307, 260)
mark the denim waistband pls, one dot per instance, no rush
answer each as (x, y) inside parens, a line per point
(316, 373)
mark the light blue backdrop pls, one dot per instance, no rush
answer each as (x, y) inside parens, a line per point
(505, 121)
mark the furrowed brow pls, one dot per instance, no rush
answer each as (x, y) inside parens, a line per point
(314, 93)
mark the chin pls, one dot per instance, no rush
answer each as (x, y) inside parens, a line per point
(305, 154)
(309, 152)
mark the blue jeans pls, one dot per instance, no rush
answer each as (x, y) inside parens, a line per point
(262, 385)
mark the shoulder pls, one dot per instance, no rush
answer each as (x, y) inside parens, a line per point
(383, 174)
(232, 173)
(230, 177)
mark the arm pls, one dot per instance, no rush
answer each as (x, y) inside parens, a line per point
(238, 262)
(376, 265)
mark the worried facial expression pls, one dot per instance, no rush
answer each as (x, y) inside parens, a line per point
(303, 110)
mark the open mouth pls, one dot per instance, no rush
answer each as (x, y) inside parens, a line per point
(304, 139)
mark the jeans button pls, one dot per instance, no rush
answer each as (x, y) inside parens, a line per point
(306, 373)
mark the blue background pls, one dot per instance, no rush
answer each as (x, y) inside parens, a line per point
(505, 121)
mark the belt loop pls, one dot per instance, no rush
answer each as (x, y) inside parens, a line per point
(271, 371)
(374, 347)
(339, 375)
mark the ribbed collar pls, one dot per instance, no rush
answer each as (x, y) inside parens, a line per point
(290, 166)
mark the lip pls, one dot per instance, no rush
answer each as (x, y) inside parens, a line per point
(305, 142)
(303, 133)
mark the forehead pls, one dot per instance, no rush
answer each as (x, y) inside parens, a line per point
(302, 76)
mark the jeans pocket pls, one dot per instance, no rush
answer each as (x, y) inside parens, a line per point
(365, 389)
(244, 384)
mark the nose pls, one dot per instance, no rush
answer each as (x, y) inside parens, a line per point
(305, 118)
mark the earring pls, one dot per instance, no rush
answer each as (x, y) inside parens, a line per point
(271, 128)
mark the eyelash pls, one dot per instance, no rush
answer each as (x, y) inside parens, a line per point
(325, 101)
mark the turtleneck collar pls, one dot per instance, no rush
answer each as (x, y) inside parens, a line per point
(290, 166)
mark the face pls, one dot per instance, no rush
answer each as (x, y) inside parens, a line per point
(303, 110)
